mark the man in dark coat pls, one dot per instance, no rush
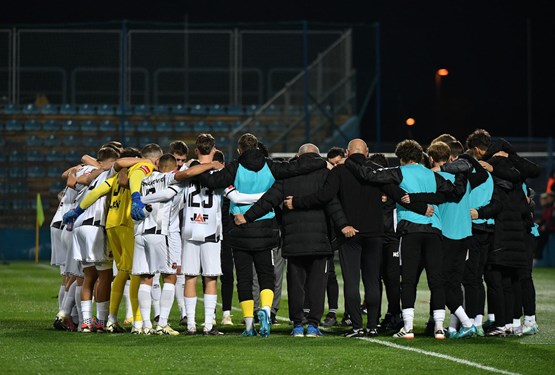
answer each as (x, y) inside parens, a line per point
(306, 244)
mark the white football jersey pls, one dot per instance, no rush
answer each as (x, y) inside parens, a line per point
(68, 196)
(202, 213)
(95, 214)
(163, 214)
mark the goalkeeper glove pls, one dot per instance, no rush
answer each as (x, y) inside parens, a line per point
(72, 215)
(137, 207)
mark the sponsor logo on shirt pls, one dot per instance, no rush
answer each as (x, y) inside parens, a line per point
(199, 218)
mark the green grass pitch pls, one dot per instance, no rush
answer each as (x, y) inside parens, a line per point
(29, 344)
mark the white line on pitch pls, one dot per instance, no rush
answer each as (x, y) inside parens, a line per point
(439, 355)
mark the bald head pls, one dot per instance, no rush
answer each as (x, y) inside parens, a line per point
(357, 146)
(307, 148)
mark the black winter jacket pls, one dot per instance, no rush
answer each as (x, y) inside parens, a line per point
(262, 234)
(304, 232)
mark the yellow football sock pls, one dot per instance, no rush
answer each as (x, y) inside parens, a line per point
(266, 298)
(248, 308)
(116, 293)
(135, 282)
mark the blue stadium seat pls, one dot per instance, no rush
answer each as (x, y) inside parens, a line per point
(251, 109)
(11, 109)
(179, 109)
(161, 110)
(235, 110)
(14, 125)
(35, 156)
(183, 127)
(164, 127)
(36, 171)
(216, 109)
(235, 124)
(128, 127)
(54, 171)
(16, 172)
(275, 126)
(52, 141)
(16, 156)
(145, 126)
(33, 140)
(107, 126)
(273, 110)
(54, 155)
(145, 140)
(164, 141)
(222, 142)
(89, 141)
(119, 111)
(73, 157)
(201, 127)
(70, 126)
(56, 187)
(105, 110)
(198, 109)
(220, 126)
(129, 141)
(86, 109)
(21, 204)
(51, 125)
(141, 110)
(49, 109)
(70, 140)
(68, 109)
(31, 125)
(88, 126)
(30, 109)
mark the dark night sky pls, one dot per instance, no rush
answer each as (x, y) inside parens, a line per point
(482, 43)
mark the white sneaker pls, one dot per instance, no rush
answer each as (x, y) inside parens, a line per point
(136, 331)
(149, 331)
(405, 334)
(167, 330)
(226, 320)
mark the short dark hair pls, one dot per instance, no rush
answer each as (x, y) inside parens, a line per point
(130, 152)
(439, 151)
(409, 150)
(456, 148)
(167, 160)
(152, 150)
(106, 153)
(179, 148)
(205, 143)
(445, 137)
(379, 159)
(334, 152)
(219, 156)
(478, 138)
(247, 142)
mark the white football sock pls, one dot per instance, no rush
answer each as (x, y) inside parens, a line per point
(529, 320)
(179, 295)
(408, 318)
(226, 313)
(145, 301)
(464, 319)
(478, 320)
(439, 318)
(453, 323)
(248, 323)
(166, 303)
(102, 311)
(190, 307)
(78, 289)
(61, 294)
(491, 317)
(86, 311)
(156, 292)
(516, 323)
(128, 308)
(69, 300)
(210, 301)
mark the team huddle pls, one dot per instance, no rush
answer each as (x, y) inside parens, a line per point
(130, 218)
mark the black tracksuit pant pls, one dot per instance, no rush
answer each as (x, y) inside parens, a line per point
(454, 254)
(226, 278)
(391, 274)
(361, 255)
(416, 248)
(332, 287)
(306, 281)
(473, 278)
(264, 265)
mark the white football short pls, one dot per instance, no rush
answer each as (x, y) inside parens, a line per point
(90, 245)
(59, 251)
(72, 266)
(152, 254)
(175, 246)
(201, 258)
